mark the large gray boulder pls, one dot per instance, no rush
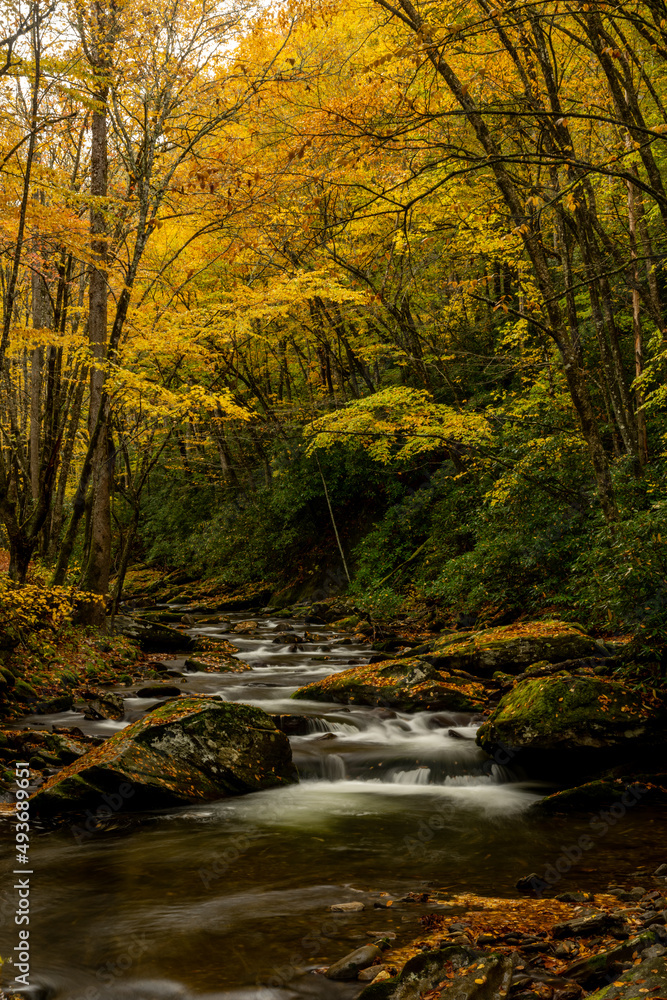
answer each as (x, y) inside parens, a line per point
(187, 750)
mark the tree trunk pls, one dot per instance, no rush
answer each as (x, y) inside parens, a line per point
(642, 438)
(98, 565)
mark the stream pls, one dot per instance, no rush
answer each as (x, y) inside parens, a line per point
(232, 899)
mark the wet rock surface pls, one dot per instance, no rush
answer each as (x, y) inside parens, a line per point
(511, 648)
(350, 965)
(490, 952)
(152, 636)
(565, 712)
(194, 749)
(410, 684)
(102, 704)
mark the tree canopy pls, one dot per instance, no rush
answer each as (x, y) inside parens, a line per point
(355, 278)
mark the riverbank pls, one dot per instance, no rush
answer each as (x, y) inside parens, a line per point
(562, 948)
(390, 803)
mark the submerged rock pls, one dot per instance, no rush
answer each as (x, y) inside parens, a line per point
(607, 791)
(409, 684)
(189, 750)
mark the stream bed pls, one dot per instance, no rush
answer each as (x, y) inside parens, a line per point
(232, 899)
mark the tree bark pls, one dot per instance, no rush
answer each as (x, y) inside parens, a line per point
(98, 565)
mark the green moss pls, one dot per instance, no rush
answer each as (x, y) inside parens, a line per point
(190, 749)
(23, 690)
(409, 683)
(512, 648)
(347, 624)
(561, 708)
(562, 700)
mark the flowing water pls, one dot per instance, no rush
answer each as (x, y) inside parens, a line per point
(232, 899)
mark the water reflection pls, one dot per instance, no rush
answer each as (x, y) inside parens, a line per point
(232, 899)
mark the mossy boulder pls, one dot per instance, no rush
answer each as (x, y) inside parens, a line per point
(102, 704)
(189, 750)
(245, 628)
(51, 706)
(24, 692)
(160, 617)
(347, 624)
(409, 684)
(646, 979)
(481, 976)
(511, 648)
(58, 748)
(152, 636)
(605, 792)
(564, 712)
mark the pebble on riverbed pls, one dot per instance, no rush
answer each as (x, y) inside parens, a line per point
(347, 907)
(349, 966)
(368, 975)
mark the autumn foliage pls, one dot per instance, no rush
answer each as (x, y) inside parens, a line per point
(285, 285)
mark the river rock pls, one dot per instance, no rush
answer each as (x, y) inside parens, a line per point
(587, 926)
(588, 969)
(189, 750)
(102, 704)
(603, 792)
(243, 628)
(573, 717)
(409, 684)
(647, 979)
(40, 749)
(158, 691)
(331, 610)
(482, 976)
(293, 725)
(152, 636)
(350, 965)
(52, 706)
(369, 974)
(510, 648)
(354, 907)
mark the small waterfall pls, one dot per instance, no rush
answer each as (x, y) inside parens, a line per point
(317, 725)
(467, 780)
(420, 776)
(502, 775)
(333, 766)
